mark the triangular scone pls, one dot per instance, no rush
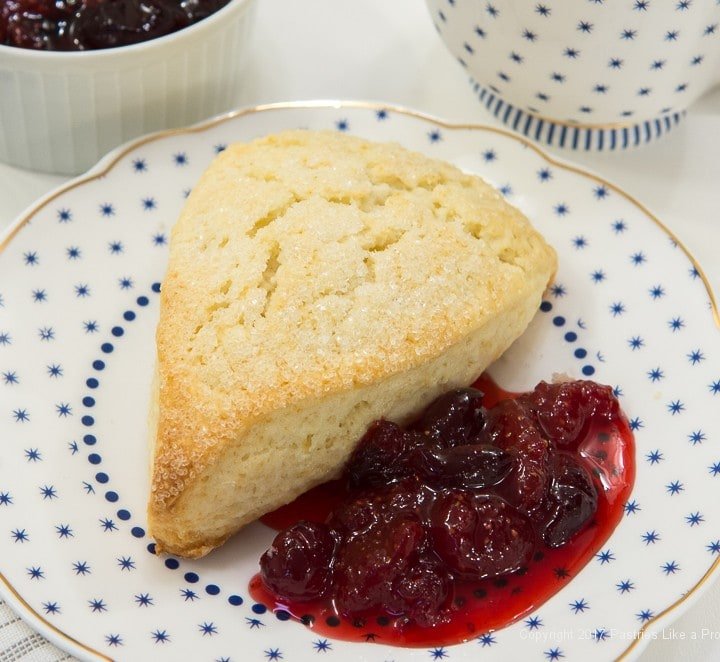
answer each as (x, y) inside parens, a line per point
(317, 282)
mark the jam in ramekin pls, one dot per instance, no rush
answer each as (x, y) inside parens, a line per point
(79, 25)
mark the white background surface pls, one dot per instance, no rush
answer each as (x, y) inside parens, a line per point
(388, 51)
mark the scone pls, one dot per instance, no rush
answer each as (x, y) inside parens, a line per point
(317, 282)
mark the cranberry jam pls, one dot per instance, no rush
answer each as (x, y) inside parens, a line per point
(79, 25)
(458, 524)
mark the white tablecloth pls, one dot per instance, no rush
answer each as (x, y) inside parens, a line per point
(19, 642)
(388, 51)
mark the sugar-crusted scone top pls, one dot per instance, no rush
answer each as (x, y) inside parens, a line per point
(306, 263)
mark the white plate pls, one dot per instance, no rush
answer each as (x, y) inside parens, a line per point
(79, 276)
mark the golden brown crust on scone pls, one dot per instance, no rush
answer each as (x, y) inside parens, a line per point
(307, 271)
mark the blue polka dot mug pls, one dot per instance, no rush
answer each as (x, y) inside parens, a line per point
(590, 74)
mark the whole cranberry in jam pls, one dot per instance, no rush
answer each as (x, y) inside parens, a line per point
(510, 427)
(564, 409)
(571, 502)
(299, 563)
(423, 593)
(369, 507)
(454, 418)
(470, 466)
(369, 565)
(380, 456)
(480, 536)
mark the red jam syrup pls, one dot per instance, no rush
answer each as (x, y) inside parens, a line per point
(425, 541)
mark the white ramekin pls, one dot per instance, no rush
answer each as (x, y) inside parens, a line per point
(61, 111)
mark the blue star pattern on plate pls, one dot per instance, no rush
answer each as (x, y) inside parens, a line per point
(627, 308)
